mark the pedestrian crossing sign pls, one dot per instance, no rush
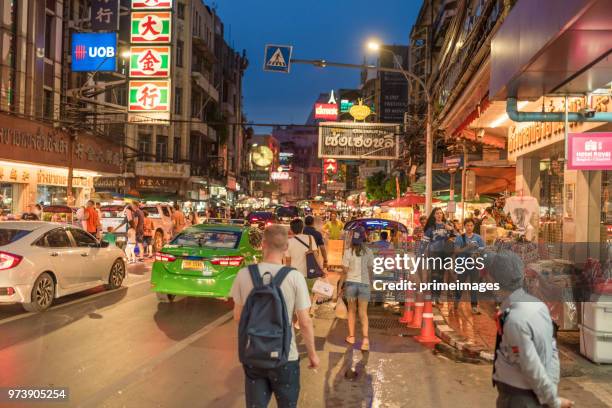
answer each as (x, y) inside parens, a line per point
(277, 58)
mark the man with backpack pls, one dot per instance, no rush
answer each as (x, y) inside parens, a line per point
(266, 296)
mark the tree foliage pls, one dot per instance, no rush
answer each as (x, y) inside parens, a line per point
(381, 186)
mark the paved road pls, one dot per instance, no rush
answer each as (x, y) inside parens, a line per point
(124, 349)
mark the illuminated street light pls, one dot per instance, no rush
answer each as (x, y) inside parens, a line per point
(373, 45)
(376, 46)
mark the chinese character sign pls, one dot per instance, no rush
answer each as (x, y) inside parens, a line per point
(151, 27)
(149, 96)
(151, 4)
(150, 62)
(105, 15)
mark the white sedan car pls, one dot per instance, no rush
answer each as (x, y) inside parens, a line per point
(42, 261)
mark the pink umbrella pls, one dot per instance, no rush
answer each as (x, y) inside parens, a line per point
(407, 200)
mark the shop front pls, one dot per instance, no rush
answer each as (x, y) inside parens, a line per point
(166, 182)
(34, 160)
(573, 201)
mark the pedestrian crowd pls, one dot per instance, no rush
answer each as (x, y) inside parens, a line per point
(526, 367)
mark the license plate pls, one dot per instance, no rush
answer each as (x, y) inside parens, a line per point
(196, 265)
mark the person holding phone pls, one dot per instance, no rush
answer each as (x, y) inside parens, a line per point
(466, 245)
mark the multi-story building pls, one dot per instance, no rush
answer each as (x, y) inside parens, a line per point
(48, 154)
(203, 144)
(305, 173)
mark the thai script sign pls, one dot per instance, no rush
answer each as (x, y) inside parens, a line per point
(365, 141)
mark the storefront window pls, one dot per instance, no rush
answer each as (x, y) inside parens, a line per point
(6, 199)
(551, 199)
(53, 195)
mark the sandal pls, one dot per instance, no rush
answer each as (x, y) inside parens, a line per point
(365, 344)
(350, 339)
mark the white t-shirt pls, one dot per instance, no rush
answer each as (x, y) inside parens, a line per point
(521, 210)
(358, 266)
(297, 251)
(294, 288)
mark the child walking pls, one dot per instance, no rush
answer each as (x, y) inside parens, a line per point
(131, 245)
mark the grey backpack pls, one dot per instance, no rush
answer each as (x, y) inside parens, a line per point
(264, 333)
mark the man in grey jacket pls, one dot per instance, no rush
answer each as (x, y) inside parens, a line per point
(526, 367)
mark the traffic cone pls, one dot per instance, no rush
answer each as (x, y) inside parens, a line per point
(417, 318)
(408, 308)
(428, 332)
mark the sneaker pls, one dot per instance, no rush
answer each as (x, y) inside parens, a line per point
(475, 310)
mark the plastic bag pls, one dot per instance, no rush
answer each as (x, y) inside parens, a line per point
(323, 288)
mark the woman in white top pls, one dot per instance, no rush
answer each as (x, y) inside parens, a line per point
(357, 262)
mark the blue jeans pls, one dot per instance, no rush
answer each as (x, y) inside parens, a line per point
(283, 382)
(356, 290)
(473, 276)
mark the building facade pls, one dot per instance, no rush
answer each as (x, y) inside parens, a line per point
(46, 155)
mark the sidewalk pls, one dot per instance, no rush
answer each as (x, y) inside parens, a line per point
(474, 336)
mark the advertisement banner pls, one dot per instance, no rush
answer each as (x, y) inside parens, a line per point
(149, 96)
(364, 141)
(151, 4)
(150, 62)
(94, 52)
(151, 27)
(327, 111)
(105, 15)
(590, 151)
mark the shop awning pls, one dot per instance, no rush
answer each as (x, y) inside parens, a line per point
(491, 180)
(548, 46)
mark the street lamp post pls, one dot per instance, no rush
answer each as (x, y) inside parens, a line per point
(375, 46)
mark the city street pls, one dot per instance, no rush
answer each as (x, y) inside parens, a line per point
(124, 349)
(406, 203)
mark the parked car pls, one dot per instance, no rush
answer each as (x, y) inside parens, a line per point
(42, 261)
(261, 219)
(203, 260)
(161, 214)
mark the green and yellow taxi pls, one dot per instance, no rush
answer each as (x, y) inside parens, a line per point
(203, 260)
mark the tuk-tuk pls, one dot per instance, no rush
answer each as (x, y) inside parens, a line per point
(397, 242)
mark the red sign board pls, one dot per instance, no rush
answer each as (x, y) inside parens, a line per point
(590, 151)
(327, 111)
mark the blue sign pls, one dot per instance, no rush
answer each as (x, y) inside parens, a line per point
(94, 52)
(277, 58)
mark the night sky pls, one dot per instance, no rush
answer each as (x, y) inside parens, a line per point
(335, 30)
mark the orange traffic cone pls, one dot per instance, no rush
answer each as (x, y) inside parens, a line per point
(408, 308)
(428, 332)
(417, 318)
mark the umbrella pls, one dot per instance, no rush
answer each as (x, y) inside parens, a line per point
(407, 200)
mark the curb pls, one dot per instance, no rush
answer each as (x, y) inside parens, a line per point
(458, 342)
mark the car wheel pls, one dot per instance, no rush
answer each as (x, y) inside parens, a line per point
(43, 294)
(116, 275)
(165, 297)
(158, 241)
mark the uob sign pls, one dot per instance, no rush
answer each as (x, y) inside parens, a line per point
(94, 52)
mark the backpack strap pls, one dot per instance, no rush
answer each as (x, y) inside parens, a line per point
(281, 275)
(302, 242)
(255, 276)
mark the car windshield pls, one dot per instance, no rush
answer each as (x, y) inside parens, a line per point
(287, 212)
(153, 212)
(208, 239)
(8, 236)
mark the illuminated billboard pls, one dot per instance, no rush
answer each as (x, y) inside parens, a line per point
(94, 52)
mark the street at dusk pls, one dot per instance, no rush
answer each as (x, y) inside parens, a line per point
(306, 204)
